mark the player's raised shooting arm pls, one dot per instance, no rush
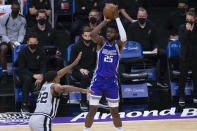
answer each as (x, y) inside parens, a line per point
(63, 71)
(122, 32)
(95, 33)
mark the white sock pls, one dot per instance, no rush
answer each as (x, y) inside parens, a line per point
(86, 129)
(119, 129)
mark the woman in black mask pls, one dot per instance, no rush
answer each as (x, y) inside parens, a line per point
(188, 56)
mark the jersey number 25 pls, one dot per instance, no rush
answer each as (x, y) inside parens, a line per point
(108, 59)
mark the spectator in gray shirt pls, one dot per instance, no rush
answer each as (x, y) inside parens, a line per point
(12, 31)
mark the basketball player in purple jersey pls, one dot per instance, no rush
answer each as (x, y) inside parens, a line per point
(105, 79)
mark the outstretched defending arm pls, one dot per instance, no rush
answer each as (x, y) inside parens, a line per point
(67, 88)
(63, 71)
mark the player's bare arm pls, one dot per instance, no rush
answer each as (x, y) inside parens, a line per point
(58, 89)
(63, 71)
(95, 34)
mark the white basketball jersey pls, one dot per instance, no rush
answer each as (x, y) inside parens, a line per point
(47, 103)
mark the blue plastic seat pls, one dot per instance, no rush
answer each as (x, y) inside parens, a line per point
(18, 87)
(173, 52)
(74, 97)
(133, 82)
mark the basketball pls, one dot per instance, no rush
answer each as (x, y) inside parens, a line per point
(109, 11)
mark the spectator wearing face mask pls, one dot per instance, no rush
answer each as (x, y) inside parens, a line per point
(12, 31)
(32, 66)
(93, 20)
(45, 33)
(176, 19)
(83, 71)
(34, 7)
(188, 56)
(144, 32)
(47, 37)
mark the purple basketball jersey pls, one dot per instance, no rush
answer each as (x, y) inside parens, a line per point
(108, 60)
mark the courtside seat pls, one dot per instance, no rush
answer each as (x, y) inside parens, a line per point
(133, 83)
(74, 97)
(16, 79)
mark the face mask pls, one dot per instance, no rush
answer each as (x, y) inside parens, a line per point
(42, 21)
(86, 41)
(15, 12)
(181, 10)
(33, 46)
(190, 22)
(142, 20)
(93, 20)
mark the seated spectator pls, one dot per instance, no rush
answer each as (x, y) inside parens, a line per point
(176, 19)
(34, 6)
(83, 7)
(47, 37)
(144, 32)
(188, 56)
(32, 66)
(93, 18)
(128, 9)
(92, 23)
(84, 70)
(12, 27)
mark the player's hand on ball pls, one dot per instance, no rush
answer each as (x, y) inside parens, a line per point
(107, 20)
(116, 12)
(77, 59)
(84, 91)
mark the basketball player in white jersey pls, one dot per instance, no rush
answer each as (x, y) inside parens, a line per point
(48, 99)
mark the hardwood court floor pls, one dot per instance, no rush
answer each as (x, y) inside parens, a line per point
(155, 125)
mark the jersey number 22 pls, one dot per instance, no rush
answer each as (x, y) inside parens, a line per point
(42, 98)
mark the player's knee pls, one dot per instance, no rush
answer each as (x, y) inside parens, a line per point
(4, 48)
(92, 111)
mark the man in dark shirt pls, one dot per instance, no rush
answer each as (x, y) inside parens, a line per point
(128, 9)
(188, 56)
(32, 67)
(34, 6)
(144, 32)
(93, 22)
(46, 35)
(84, 70)
(176, 19)
(83, 7)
